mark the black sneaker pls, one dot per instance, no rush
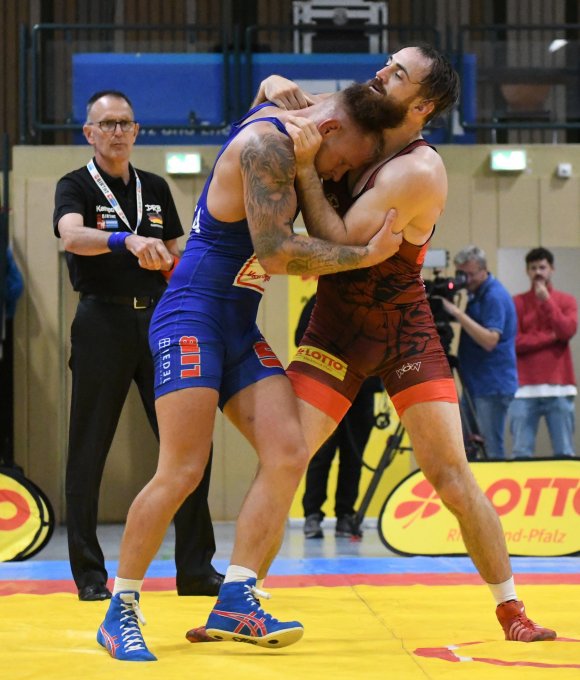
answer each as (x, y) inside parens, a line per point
(312, 526)
(96, 592)
(201, 585)
(347, 527)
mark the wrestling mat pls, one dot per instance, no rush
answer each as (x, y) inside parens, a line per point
(402, 619)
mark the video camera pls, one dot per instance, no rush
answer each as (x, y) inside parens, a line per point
(445, 287)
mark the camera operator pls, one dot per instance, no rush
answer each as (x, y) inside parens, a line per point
(486, 354)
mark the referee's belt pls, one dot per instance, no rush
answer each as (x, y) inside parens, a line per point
(140, 302)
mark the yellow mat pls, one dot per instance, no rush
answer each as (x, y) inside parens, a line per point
(351, 632)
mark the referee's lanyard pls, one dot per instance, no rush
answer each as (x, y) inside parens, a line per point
(108, 194)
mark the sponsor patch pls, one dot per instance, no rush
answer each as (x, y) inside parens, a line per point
(252, 275)
(266, 355)
(323, 360)
(190, 357)
(408, 367)
(165, 360)
(155, 220)
(107, 222)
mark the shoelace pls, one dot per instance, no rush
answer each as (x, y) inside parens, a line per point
(253, 596)
(130, 631)
(257, 593)
(525, 621)
(521, 623)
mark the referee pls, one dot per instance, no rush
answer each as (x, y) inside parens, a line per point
(120, 228)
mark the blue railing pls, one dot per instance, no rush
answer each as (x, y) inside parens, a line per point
(195, 87)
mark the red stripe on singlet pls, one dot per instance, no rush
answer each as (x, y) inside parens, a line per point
(320, 396)
(432, 390)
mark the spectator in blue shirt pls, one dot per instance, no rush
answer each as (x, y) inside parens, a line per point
(487, 355)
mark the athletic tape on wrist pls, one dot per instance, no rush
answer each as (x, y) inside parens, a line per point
(116, 241)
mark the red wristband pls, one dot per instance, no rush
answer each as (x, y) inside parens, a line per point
(167, 274)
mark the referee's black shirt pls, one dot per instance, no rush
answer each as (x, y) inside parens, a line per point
(116, 273)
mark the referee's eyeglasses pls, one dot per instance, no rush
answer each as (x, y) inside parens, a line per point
(111, 125)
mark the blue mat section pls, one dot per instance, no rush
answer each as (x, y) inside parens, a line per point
(59, 569)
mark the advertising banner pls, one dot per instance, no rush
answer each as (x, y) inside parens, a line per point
(538, 503)
(26, 517)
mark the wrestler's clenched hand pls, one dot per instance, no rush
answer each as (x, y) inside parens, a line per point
(387, 241)
(306, 139)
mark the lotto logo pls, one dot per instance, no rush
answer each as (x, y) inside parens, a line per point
(538, 502)
(323, 360)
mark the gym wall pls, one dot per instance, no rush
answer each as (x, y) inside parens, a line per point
(503, 213)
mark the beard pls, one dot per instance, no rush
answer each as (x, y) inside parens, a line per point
(373, 110)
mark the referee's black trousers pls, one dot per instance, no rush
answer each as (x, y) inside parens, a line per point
(110, 349)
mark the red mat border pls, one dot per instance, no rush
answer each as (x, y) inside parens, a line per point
(302, 581)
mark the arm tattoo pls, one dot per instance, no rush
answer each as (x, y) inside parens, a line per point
(314, 256)
(268, 167)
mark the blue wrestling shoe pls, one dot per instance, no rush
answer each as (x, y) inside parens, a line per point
(238, 617)
(120, 633)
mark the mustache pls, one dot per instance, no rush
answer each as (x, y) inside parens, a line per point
(377, 84)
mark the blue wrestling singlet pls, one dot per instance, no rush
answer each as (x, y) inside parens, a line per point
(203, 332)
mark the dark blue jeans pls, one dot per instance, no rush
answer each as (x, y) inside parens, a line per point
(491, 412)
(525, 416)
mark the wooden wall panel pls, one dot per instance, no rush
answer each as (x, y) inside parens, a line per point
(19, 234)
(44, 453)
(452, 226)
(275, 13)
(518, 211)
(471, 213)
(560, 212)
(13, 14)
(484, 217)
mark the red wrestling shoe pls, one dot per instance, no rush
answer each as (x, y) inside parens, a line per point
(516, 625)
(199, 635)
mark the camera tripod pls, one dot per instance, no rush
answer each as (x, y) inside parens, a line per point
(474, 443)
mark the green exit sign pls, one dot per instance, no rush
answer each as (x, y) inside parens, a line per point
(508, 160)
(182, 163)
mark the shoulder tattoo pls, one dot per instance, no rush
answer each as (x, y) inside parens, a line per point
(268, 166)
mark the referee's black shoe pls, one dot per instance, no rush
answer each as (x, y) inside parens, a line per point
(208, 584)
(94, 592)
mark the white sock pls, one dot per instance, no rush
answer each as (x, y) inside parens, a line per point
(124, 584)
(502, 592)
(235, 573)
